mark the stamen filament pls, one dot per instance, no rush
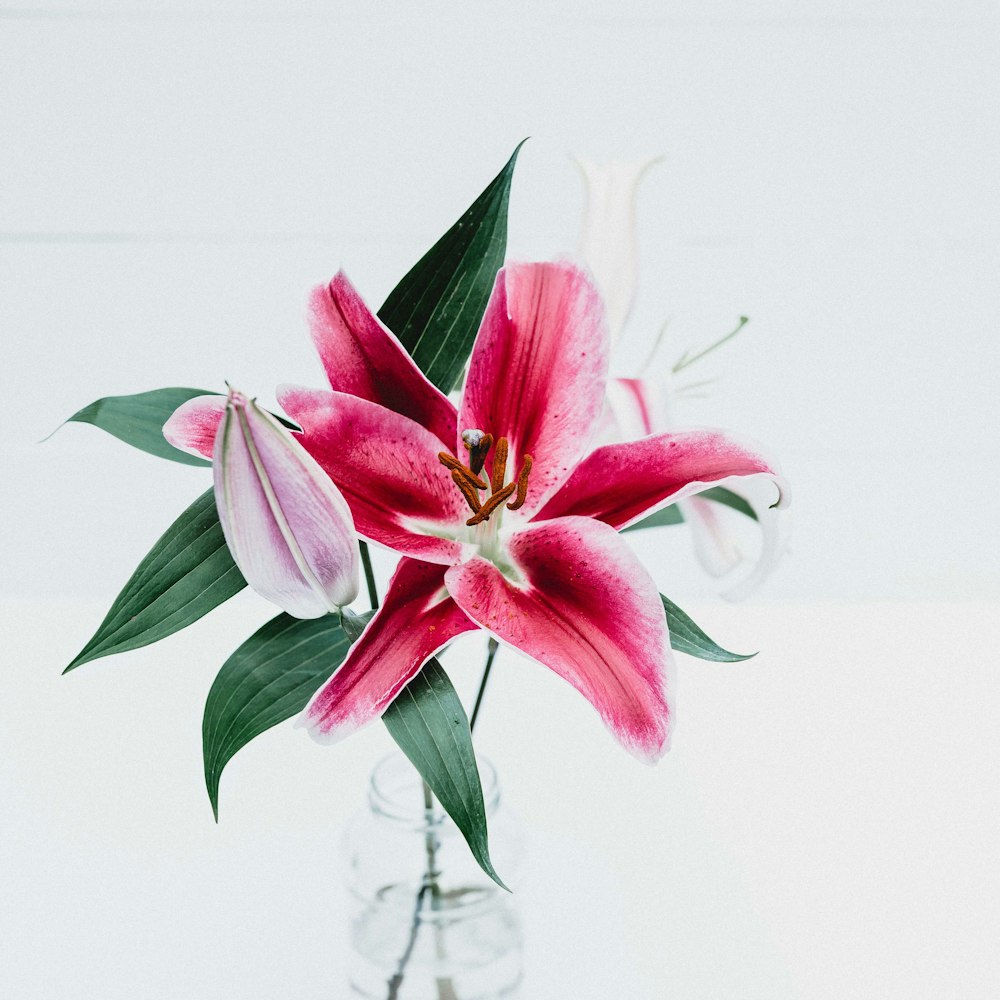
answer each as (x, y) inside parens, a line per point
(491, 505)
(499, 465)
(450, 462)
(468, 491)
(522, 484)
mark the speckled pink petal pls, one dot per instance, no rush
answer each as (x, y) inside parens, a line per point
(537, 371)
(363, 358)
(621, 483)
(416, 619)
(584, 606)
(193, 425)
(387, 467)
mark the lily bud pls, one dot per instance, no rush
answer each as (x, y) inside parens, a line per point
(288, 527)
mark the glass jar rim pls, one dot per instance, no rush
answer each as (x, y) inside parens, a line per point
(394, 790)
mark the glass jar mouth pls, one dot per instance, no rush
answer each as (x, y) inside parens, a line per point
(395, 792)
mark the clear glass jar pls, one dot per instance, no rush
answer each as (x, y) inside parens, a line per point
(450, 935)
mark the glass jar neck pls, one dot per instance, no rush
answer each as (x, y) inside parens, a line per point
(396, 793)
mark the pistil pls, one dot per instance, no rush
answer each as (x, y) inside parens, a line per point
(478, 445)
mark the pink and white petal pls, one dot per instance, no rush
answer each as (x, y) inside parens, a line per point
(311, 511)
(585, 607)
(255, 537)
(538, 370)
(387, 467)
(363, 357)
(720, 533)
(773, 543)
(416, 620)
(714, 544)
(633, 408)
(193, 425)
(622, 483)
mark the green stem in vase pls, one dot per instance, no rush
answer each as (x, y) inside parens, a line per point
(446, 990)
(491, 653)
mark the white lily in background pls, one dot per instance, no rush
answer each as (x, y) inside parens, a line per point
(609, 243)
(644, 405)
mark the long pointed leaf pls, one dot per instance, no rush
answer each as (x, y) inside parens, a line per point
(664, 516)
(138, 420)
(186, 574)
(730, 499)
(687, 637)
(673, 515)
(270, 678)
(430, 726)
(437, 307)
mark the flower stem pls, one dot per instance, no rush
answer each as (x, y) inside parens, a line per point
(429, 885)
(397, 980)
(491, 653)
(366, 561)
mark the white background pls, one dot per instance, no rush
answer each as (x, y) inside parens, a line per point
(172, 182)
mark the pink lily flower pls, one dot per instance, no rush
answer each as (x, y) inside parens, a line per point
(505, 522)
(287, 526)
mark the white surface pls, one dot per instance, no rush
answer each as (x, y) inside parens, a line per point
(824, 827)
(173, 180)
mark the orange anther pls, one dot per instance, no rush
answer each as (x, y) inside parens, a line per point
(491, 505)
(522, 484)
(468, 491)
(450, 462)
(499, 465)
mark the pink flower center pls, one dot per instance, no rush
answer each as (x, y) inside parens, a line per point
(467, 478)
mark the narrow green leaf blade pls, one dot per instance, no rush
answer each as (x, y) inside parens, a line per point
(730, 499)
(429, 724)
(668, 515)
(673, 515)
(687, 637)
(138, 420)
(270, 678)
(186, 574)
(437, 307)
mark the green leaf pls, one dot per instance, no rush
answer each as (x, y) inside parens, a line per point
(429, 725)
(721, 495)
(270, 678)
(138, 420)
(667, 515)
(673, 515)
(186, 574)
(687, 637)
(436, 309)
